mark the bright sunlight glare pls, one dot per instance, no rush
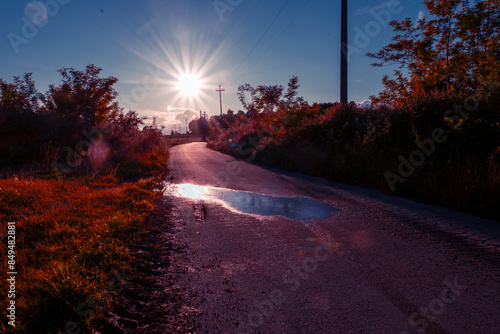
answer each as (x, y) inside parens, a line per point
(186, 69)
(188, 84)
(192, 191)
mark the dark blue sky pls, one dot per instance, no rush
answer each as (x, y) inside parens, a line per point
(148, 44)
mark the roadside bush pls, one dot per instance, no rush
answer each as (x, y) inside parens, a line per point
(75, 129)
(349, 144)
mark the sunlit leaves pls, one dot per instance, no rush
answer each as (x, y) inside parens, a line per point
(450, 50)
(83, 96)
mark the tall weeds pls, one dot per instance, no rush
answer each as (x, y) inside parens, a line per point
(358, 146)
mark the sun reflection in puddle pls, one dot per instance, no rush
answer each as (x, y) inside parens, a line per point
(191, 191)
(298, 208)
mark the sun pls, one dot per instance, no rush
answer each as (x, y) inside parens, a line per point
(189, 84)
(182, 70)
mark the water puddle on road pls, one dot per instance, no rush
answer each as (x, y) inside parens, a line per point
(298, 208)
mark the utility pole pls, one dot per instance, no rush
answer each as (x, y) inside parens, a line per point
(343, 53)
(186, 126)
(220, 90)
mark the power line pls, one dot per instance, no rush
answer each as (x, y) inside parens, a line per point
(261, 37)
(281, 34)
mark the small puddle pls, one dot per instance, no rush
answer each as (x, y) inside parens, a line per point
(298, 208)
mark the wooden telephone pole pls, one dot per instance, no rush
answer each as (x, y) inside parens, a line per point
(343, 52)
(220, 90)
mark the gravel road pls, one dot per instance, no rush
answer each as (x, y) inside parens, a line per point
(268, 251)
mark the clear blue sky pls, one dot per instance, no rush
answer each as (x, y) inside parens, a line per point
(147, 45)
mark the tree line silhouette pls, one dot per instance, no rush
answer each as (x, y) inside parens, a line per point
(74, 128)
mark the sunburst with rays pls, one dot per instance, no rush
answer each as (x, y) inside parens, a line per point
(188, 64)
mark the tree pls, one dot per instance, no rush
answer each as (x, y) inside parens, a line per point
(20, 96)
(263, 98)
(269, 98)
(291, 100)
(199, 127)
(455, 49)
(229, 117)
(21, 125)
(247, 105)
(124, 123)
(83, 97)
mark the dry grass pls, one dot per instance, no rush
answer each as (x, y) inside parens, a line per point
(72, 238)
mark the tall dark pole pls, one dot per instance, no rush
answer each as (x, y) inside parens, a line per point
(220, 90)
(343, 53)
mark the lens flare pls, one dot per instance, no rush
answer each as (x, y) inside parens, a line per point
(37, 13)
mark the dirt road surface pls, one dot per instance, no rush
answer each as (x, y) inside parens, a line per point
(268, 251)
